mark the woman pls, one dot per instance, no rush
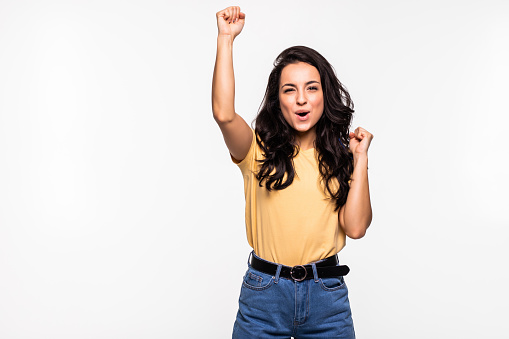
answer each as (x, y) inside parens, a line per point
(306, 188)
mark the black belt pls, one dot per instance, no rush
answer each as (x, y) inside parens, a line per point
(325, 269)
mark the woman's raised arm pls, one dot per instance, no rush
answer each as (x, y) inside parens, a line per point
(236, 132)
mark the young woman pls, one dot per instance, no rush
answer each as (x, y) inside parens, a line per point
(306, 188)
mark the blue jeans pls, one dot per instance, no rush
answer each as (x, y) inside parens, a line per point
(276, 307)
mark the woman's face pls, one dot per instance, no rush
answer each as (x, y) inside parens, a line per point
(301, 96)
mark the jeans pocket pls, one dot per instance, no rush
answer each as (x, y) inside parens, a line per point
(256, 280)
(332, 283)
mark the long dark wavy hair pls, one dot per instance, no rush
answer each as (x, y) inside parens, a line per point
(276, 137)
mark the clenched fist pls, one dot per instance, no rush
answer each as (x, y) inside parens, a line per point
(360, 140)
(230, 21)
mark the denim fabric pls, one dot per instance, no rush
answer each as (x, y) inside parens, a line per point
(276, 307)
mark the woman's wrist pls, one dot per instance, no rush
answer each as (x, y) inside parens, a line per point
(360, 159)
(225, 38)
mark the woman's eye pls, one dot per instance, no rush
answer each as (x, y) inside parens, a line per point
(288, 90)
(313, 88)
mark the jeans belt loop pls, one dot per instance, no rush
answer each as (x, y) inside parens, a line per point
(278, 271)
(315, 272)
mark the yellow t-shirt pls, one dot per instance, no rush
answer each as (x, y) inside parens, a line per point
(293, 226)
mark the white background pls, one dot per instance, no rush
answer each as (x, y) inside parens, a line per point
(121, 215)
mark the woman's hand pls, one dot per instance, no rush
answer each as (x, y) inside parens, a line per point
(230, 21)
(359, 141)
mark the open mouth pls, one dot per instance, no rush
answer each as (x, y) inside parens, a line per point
(302, 114)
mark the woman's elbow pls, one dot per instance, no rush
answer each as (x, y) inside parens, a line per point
(222, 116)
(358, 230)
(357, 226)
(356, 234)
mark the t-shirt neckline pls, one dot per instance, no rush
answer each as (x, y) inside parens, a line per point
(309, 150)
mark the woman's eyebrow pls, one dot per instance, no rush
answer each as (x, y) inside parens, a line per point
(307, 83)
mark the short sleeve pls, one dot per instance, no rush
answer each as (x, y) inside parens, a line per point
(248, 161)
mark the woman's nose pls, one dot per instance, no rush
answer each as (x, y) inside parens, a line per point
(301, 98)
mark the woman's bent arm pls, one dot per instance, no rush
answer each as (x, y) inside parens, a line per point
(355, 215)
(236, 132)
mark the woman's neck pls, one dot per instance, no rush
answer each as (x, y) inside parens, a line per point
(306, 140)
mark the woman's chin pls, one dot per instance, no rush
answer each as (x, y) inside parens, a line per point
(301, 128)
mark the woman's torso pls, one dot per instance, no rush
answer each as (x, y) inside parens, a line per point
(293, 226)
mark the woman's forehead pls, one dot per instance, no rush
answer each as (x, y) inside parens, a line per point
(300, 72)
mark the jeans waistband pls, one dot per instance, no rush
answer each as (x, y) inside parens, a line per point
(324, 268)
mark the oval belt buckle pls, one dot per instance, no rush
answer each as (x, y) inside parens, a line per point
(292, 272)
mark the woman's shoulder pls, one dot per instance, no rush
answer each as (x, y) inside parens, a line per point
(254, 153)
